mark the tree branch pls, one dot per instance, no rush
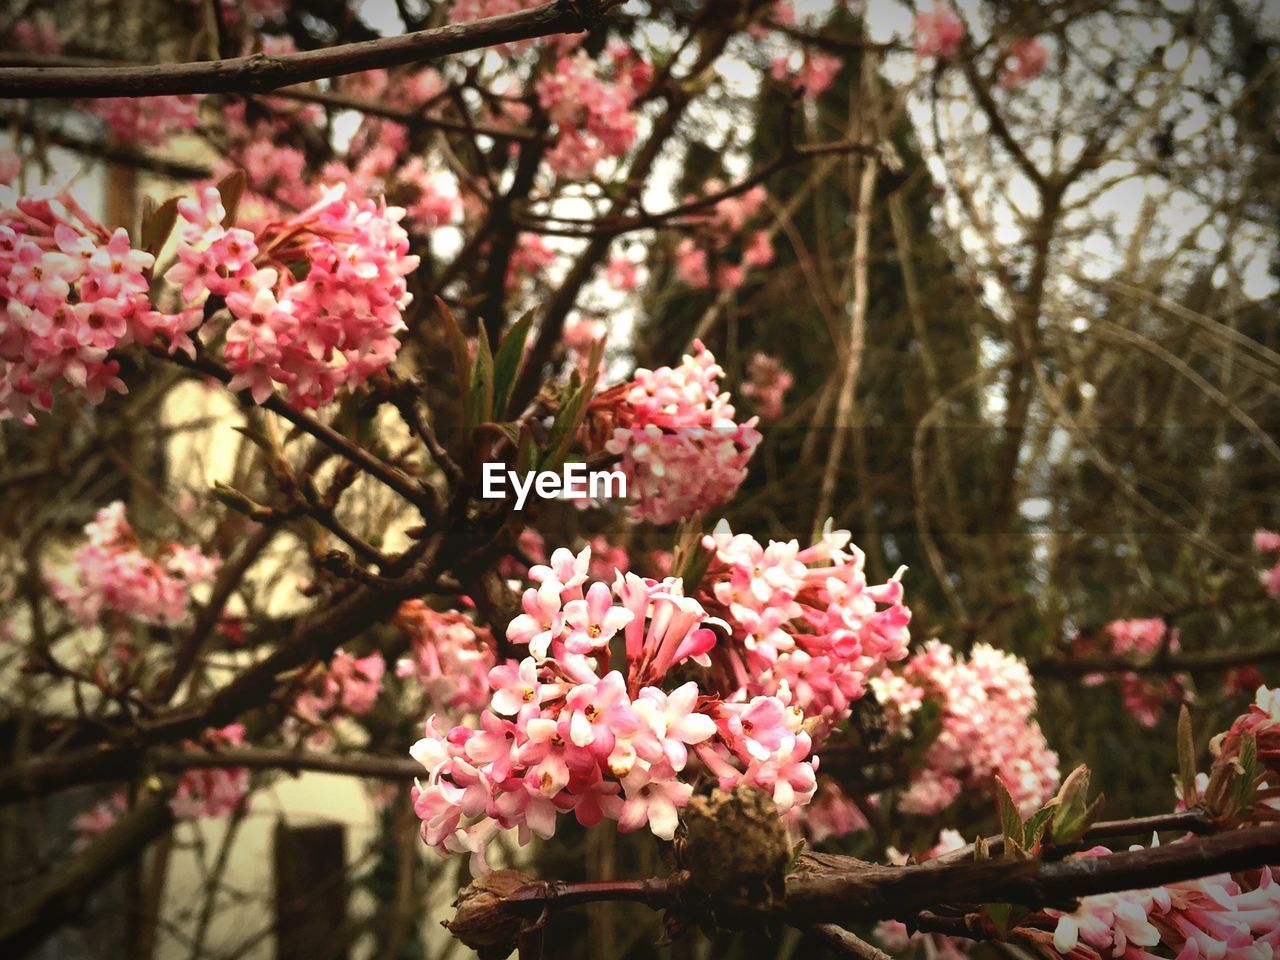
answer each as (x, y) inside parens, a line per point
(259, 73)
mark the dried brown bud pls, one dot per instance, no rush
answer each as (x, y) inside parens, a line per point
(734, 845)
(485, 921)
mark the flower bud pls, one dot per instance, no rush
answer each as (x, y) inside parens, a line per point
(485, 920)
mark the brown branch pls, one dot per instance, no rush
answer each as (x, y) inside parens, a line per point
(63, 893)
(827, 890)
(844, 944)
(1169, 663)
(173, 760)
(259, 73)
(612, 226)
(374, 466)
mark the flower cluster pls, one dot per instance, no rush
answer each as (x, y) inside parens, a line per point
(212, 791)
(111, 574)
(767, 385)
(1266, 541)
(1217, 916)
(939, 32)
(563, 733)
(451, 657)
(1025, 61)
(71, 293)
(1141, 639)
(1262, 722)
(146, 121)
(347, 686)
(201, 792)
(335, 326)
(594, 118)
(807, 627)
(986, 728)
(709, 255)
(680, 448)
(815, 73)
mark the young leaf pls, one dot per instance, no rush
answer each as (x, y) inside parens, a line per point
(1010, 820)
(508, 361)
(231, 189)
(1186, 757)
(457, 347)
(480, 398)
(157, 224)
(1033, 830)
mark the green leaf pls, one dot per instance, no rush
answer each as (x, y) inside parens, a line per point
(480, 396)
(1033, 830)
(508, 362)
(1005, 916)
(1010, 821)
(231, 189)
(157, 224)
(457, 347)
(1074, 813)
(1186, 757)
(565, 426)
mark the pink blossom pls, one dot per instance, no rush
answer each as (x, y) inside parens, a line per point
(451, 656)
(563, 733)
(110, 575)
(1025, 61)
(987, 730)
(679, 444)
(767, 385)
(1266, 541)
(212, 791)
(939, 33)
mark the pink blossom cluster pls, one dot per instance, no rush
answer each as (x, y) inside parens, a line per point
(563, 733)
(346, 686)
(530, 258)
(1216, 916)
(767, 384)
(807, 627)
(1141, 639)
(1267, 541)
(987, 701)
(451, 657)
(110, 573)
(146, 121)
(830, 814)
(200, 792)
(1262, 721)
(707, 256)
(676, 437)
(816, 73)
(334, 327)
(939, 32)
(376, 162)
(212, 791)
(71, 294)
(594, 118)
(1026, 60)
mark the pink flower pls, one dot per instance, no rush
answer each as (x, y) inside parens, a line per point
(515, 687)
(938, 33)
(593, 622)
(767, 386)
(542, 620)
(1026, 60)
(675, 432)
(1266, 541)
(653, 799)
(111, 576)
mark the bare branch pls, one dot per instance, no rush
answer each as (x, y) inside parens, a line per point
(259, 73)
